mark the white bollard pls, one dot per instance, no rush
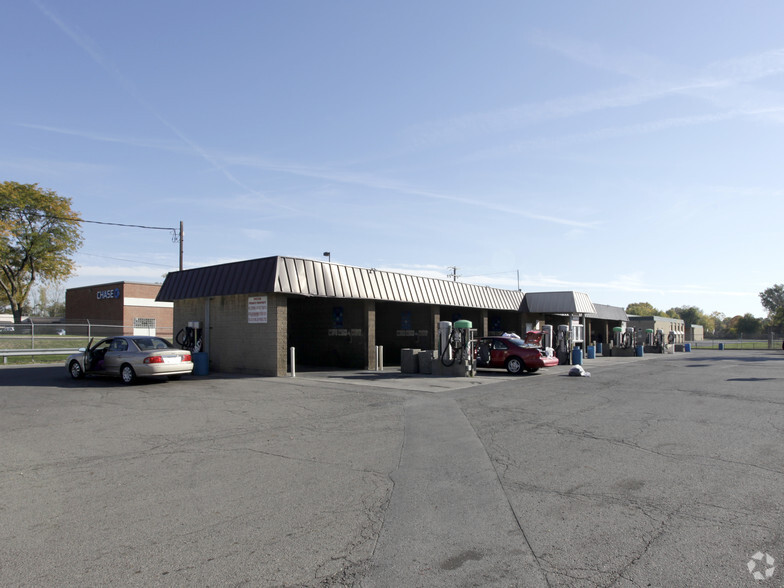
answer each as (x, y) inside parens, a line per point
(293, 367)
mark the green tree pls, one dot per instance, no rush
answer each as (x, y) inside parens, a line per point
(719, 323)
(643, 309)
(39, 232)
(747, 324)
(691, 315)
(50, 301)
(773, 301)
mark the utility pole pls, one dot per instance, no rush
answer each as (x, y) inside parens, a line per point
(180, 245)
(453, 275)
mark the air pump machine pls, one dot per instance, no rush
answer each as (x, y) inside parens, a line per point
(456, 347)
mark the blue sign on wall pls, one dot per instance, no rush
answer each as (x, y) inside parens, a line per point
(337, 316)
(108, 294)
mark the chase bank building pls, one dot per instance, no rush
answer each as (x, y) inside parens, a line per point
(127, 307)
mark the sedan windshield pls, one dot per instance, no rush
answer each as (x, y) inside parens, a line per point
(150, 343)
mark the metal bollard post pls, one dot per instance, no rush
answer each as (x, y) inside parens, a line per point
(293, 367)
(381, 358)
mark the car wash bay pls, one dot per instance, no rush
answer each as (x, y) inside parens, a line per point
(344, 333)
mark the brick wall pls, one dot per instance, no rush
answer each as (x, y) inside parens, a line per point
(233, 344)
(108, 304)
(84, 304)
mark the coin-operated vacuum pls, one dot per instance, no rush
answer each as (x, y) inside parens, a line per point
(625, 342)
(456, 348)
(190, 337)
(563, 344)
(629, 338)
(654, 341)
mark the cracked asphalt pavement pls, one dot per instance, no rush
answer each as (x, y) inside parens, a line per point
(657, 471)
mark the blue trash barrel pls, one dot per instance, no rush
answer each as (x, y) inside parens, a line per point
(721, 346)
(598, 348)
(201, 363)
(590, 352)
(639, 351)
(577, 356)
(687, 347)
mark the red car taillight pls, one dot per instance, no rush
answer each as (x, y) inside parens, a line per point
(187, 357)
(153, 359)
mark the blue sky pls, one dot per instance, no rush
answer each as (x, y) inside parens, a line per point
(628, 150)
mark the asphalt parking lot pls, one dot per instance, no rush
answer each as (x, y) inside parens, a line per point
(656, 471)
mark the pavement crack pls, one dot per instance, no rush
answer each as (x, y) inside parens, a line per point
(509, 503)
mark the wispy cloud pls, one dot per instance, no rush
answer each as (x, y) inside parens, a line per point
(99, 57)
(724, 84)
(630, 285)
(101, 137)
(45, 167)
(623, 131)
(386, 184)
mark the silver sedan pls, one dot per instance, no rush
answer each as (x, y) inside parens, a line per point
(130, 357)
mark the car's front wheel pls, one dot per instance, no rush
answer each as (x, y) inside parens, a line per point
(514, 365)
(127, 374)
(76, 371)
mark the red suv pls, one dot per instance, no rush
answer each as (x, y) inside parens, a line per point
(513, 353)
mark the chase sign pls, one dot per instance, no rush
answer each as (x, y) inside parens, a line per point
(108, 294)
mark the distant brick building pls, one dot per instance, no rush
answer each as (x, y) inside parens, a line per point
(129, 306)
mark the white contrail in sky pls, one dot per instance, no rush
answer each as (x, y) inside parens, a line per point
(89, 47)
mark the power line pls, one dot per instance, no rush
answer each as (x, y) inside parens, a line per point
(82, 220)
(177, 234)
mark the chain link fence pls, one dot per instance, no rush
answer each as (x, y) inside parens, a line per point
(43, 339)
(738, 344)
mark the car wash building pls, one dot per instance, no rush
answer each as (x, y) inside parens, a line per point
(673, 330)
(120, 308)
(247, 315)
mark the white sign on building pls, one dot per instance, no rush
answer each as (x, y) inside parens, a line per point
(257, 309)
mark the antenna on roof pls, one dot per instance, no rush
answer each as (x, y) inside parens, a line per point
(453, 275)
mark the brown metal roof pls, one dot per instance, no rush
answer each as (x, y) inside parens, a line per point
(305, 277)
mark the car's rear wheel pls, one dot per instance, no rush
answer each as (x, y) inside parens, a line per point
(127, 374)
(514, 365)
(76, 371)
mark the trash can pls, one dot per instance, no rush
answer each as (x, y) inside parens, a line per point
(598, 347)
(201, 363)
(687, 347)
(577, 356)
(590, 352)
(721, 346)
(639, 351)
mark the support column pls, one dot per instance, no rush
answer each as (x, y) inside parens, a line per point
(369, 327)
(279, 304)
(435, 318)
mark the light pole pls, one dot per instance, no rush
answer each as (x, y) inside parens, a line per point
(328, 255)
